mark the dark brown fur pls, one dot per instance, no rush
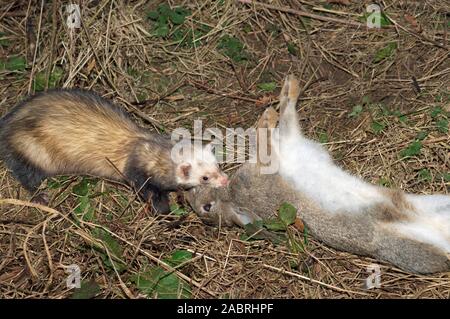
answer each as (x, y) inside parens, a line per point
(78, 132)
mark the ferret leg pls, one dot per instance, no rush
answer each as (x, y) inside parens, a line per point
(155, 197)
(29, 176)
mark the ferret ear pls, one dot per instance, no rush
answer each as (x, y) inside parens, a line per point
(209, 147)
(185, 169)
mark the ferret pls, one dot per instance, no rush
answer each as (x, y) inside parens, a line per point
(74, 131)
(343, 211)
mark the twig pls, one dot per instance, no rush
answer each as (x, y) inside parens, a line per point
(304, 13)
(282, 271)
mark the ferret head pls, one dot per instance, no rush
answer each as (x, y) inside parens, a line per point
(197, 165)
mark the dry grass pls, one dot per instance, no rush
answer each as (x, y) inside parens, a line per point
(116, 55)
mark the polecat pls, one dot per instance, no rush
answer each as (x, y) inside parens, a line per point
(73, 131)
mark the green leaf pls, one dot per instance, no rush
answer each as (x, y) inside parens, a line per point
(377, 127)
(255, 231)
(357, 109)
(164, 9)
(446, 176)
(287, 213)
(292, 48)
(53, 80)
(323, 137)
(179, 257)
(436, 111)
(295, 246)
(412, 150)
(88, 290)
(268, 87)
(232, 48)
(365, 100)
(421, 136)
(385, 52)
(110, 242)
(162, 30)
(274, 224)
(84, 210)
(425, 175)
(15, 63)
(442, 125)
(4, 42)
(153, 15)
(157, 282)
(177, 210)
(113, 247)
(82, 188)
(178, 15)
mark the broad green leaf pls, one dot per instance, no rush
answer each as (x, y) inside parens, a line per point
(177, 210)
(268, 87)
(442, 125)
(84, 209)
(4, 42)
(425, 175)
(295, 246)
(421, 136)
(274, 224)
(365, 100)
(113, 247)
(178, 15)
(436, 111)
(292, 49)
(88, 289)
(179, 257)
(287, 213)
(82, 188)
(385, 52)
(53, 80)
(377, 127)
(153, 15)
(162, 30)
(164, 285)
(255, 231)
(357, 109)
(446, 177)
(15, 63)
(323, 137)
(412, 150)
(164, 9)
(232, 48)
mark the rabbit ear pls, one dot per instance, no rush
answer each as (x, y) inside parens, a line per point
(243, 217)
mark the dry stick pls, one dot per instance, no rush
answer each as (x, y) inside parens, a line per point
(49, 255)
(282, 271)
(36, 48)
(304, 13)
(52, 42)
(55, 213)
(212, 91)
(83, 234)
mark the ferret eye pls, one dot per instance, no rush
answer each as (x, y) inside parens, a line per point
(205, 178)
(207, 207)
